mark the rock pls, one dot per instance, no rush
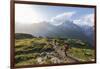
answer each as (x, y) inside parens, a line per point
(43, 54)
(92, 59)
(55, 60)
(40, 60)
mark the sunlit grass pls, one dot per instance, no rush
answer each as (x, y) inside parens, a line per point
(28, 50)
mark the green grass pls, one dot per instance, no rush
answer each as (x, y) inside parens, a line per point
(28, 50)
(82, 54)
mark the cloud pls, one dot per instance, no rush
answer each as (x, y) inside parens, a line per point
(27, 14)
(59, 19)
(85, 20)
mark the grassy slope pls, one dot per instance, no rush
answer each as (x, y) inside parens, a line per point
(28, 50)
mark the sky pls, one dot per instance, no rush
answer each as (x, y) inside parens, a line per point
(28, 14)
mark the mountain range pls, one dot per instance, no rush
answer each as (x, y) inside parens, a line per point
(67, 29)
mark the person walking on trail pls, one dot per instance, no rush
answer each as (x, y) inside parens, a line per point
(66, 47)
(55, 42)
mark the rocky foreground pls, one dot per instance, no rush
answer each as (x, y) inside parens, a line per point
(42, 51)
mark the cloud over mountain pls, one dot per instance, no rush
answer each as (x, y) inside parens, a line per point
(59, 19)
(85, 20)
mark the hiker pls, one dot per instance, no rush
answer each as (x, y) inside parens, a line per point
(55, 42)
(66, 47)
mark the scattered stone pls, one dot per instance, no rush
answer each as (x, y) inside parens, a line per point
(55, 60)
(40, 60)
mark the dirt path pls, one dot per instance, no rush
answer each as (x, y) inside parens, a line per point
(63, 56)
